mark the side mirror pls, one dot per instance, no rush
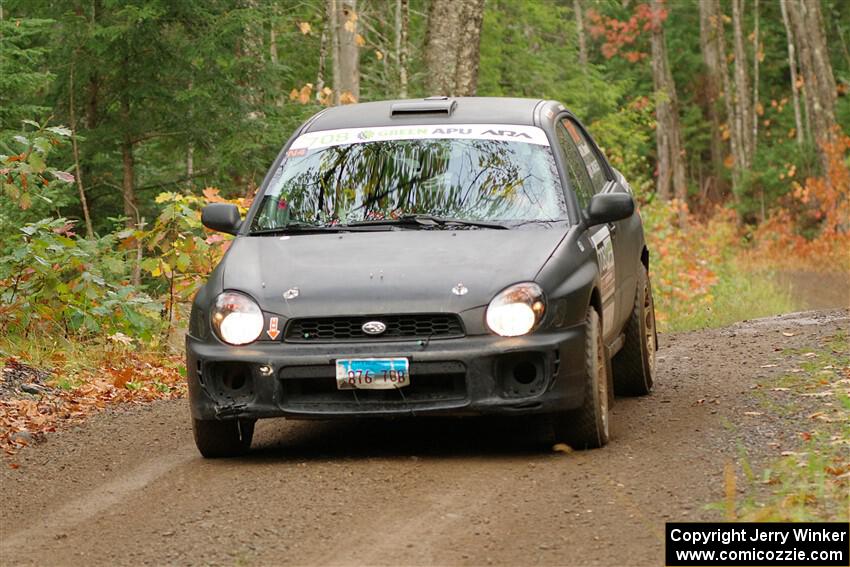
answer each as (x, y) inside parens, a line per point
(609, 207)
(222, 217)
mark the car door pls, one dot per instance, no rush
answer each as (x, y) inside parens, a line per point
(602, 180)
(600, 235)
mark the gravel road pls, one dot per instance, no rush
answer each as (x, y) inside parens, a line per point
(128, 488)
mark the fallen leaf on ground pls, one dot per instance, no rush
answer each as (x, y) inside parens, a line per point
(562, 448)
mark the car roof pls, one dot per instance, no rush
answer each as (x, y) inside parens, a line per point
(432, 110)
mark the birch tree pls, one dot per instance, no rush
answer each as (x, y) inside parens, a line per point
(580, 32)
(818, 80)
(342, 18)
(792, 66)
(710, 38)
(743, 106)
(452, 46)
(402, 26)
(671, 163)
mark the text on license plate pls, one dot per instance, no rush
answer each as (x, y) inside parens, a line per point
(372, 373)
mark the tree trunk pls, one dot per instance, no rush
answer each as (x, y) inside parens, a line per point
(128, 180)
(582, 37)
(672, 179)
(78, 173)
(347, 52)
(792, 65)
(743, 113)
(128, 186)
(253, 58)
(818, 79)
(715, 18)
(334, 39)
(710, 36)
(441, 46)
(402, 30)
(323, 56)
(466, 74)
(735, 142)
(755, 75)
(190, 161)
(452, 65)
(93, 88)
(273, 43)
(128, 193)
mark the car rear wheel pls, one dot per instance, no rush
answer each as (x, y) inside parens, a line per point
(222, 438)
(587, 427)
(634, 365)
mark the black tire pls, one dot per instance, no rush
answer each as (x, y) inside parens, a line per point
(222, 438)
(634, 365)
(587, 427)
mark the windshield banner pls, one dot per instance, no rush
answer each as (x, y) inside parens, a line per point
(345, 136)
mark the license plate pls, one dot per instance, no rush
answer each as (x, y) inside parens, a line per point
(372, 373)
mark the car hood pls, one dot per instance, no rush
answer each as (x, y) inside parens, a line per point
(362, 273)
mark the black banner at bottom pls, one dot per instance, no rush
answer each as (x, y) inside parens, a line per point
(806, 544)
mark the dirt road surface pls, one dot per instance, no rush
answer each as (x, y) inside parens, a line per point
(128, 488)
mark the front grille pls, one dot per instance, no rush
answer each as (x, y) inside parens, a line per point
(399, 327)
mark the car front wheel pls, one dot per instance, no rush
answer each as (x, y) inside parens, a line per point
(222, 438)
(587, 427)
(634, 365)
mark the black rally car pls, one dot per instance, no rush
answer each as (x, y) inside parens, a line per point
(439, 256)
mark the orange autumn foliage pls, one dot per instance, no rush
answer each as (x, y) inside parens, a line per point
(134, 378)
(822, 203)
(685, 256)
(618, 34)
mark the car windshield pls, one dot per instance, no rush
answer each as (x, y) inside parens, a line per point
(476, 173)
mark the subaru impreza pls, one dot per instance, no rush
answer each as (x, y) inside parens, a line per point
(443, 256)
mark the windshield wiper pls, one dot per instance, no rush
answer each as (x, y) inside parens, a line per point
(303, 227)
(546, 222)
(428, 221)
(294, 227)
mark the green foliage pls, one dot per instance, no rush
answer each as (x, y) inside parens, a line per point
(529, 49)
(23, 78)
(30, 188)
(52, 282)
(179, 251)
(157, 84)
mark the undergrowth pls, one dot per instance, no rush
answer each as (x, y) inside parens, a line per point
(738, 295)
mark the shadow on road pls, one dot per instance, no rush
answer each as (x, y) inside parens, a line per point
(283, 440)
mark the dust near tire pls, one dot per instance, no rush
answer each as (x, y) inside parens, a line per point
(129, 488)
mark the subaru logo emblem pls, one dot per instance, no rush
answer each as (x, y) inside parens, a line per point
(373, 327)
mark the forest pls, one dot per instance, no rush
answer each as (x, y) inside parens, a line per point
(120, 120)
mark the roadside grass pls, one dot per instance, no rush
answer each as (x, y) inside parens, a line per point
(739, 294)
(812, 482)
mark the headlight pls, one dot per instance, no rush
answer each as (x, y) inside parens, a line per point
(236, 318)
(516, 310)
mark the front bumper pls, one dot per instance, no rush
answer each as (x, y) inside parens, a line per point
(539, 373)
